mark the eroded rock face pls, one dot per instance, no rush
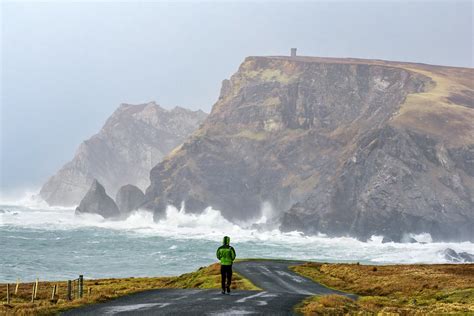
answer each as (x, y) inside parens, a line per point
(129, 198)
(344, 147)
(133, 140)
(278, 126)
(396, 182)
(96, 201)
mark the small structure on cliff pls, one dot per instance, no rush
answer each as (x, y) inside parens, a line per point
(293, 52)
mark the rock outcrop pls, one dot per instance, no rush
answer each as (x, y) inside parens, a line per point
(96, 201)
(457, 257)
(340, 146)
(133, 140)
(129, 198)
(390, 188)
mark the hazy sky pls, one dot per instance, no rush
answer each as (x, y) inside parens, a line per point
(67, 66)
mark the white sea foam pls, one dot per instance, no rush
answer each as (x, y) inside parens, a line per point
(30, 199)
(211, 226)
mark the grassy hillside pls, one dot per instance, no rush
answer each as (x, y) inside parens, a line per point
(106, 289)
(398, 289)
(446, 111)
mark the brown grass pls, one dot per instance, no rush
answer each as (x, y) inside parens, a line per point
(400, 289)
(106, 289)
(328, 305)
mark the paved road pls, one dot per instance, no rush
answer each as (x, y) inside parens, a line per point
(282, 289)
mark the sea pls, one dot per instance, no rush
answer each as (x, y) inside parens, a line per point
(53, 243)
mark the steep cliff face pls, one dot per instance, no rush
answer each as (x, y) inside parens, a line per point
(133, 140)
(339, 146)
(414, 174)
(397, 182)
(284, 131)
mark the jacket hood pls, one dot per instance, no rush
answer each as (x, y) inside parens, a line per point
(226, 240)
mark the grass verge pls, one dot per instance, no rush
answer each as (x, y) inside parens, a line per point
(393, 289)
(105, 289)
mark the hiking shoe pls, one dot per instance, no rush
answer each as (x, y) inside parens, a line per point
(228, 290)
(223, 292)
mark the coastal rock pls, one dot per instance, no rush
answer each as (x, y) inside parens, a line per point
(467, 257)
(97, 201)
(340, 146)
(132, 141)
(276, 129)
(392, 189)
(129, 198)
(461, 257)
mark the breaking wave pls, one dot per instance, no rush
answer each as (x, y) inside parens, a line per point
(210, 226)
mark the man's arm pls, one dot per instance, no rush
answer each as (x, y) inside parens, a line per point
(233, 253)
(218, 253)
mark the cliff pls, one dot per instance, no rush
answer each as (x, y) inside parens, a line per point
(339, 146)
(133, 140)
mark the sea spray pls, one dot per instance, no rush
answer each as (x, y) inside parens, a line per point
(55, 243)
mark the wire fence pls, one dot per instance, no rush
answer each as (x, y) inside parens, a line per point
(21, 292)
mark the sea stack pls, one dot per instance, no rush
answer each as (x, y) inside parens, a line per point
(97, 201)
(129, 198)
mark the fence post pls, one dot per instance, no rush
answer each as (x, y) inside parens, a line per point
(81, 285)
(17, 284)
(89, 291)
(54, 292)
(8, 293)
(33, 293)
(36, 288)
(69, 288)
(74, 290)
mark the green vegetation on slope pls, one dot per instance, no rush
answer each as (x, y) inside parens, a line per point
(444, 109)
(398, 289)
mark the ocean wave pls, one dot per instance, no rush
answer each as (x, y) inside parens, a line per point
(210, 225)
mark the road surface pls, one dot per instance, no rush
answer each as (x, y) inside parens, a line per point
(281, 288)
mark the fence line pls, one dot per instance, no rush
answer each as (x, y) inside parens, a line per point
(74, 290)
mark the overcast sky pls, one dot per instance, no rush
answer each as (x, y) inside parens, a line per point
(67, 66)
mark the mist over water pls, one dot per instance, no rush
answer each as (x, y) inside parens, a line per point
(54, 243)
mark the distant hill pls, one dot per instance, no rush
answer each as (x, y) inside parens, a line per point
(338, 146)
(132, 141)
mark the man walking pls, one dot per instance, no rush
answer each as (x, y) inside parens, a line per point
(226, 254)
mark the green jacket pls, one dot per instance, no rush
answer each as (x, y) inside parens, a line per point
(225, 253)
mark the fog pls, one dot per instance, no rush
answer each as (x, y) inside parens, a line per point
(66, 66)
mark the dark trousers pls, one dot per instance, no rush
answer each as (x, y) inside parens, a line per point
(226, 274)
